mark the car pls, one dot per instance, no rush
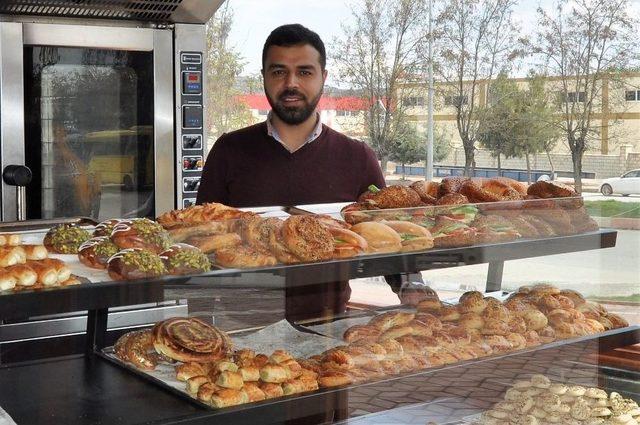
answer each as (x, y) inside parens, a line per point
(627, 184)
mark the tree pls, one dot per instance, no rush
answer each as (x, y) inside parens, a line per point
(497, 118)
(410, 146)
(224, 65)
(518, 122)
(376, 53)
(587, 45)
(476, 39)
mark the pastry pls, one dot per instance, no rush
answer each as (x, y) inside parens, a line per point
(35, 252)
(189, 370)
(135, 263)
(140, 233)
(228, 379)
(194, 383)
(65, 238)
(380, 237)
(190, 340)
(273, 373)
(181, 234)
(358, 332)
(23, 275)
(307, 239)
(183, 259)
(228, 397)
(212, 243)
(7, 280)
(243, 257)
(47, 274)
(271, 390)
(206, 391)
(299, 386)
(334, 379)
(11, 255)
(249, 373)
(10, 239)
(137, 348)
(388, 320)
(413, 237)
(96, 252)
(197, 214)
(253, 392)
(105, 228)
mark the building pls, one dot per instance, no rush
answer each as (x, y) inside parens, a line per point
(616, 123)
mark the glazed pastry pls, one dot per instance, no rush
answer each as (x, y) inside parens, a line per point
(140, 233)
(135, 263)
(243, 257)
(65, 239)
(105, 228)
(359, 332)
(95, 252)
(190, 340)
(183, 259)
(137, 348)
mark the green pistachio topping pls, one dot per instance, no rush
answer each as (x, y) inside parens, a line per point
(193, 259)
(152, 232)
(67, 238)
(106, 249)
(144, 261)
(373, 188)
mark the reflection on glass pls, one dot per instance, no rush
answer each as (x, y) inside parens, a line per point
(89, 132)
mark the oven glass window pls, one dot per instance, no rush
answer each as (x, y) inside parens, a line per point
(89, 132)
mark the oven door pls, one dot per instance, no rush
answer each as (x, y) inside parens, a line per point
(89, 110)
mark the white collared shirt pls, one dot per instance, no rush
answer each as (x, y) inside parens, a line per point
(271, 131)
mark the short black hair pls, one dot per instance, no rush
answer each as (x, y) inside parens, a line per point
(295, 35)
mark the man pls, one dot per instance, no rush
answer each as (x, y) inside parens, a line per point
(292, 158)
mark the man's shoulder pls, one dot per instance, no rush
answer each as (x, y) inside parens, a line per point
(246, 134)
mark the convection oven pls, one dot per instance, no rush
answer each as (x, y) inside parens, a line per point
(101, 116)
(103, 102)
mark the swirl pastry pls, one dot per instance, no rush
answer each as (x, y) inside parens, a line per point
(95, 252)
(190, 340)
(65, 239)
(137, 348)
(140, 233)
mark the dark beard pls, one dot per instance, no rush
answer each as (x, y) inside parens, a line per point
(294, 115)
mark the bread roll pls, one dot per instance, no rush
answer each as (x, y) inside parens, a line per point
(10, 256)
(7, 280)
(24, 275)
(380, 237)
(253, 392)
(228, 379)
(194, 383)
(186, 371)
(271, 390)
(35, 252)
(228, 397)
(273, 373)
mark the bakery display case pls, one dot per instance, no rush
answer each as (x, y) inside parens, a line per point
(241, 354)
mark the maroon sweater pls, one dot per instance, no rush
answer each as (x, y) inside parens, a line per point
(249, 168)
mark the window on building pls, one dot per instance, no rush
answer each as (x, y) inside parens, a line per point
(456, 100)
(632, 95)
(342, 113)
(413, 101)
(574, 96)
(263, 112)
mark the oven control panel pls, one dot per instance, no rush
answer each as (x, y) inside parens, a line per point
(191, 144)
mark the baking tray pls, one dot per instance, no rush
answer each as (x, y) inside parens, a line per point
(614, 338)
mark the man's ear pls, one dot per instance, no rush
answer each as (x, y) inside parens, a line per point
(325, 73)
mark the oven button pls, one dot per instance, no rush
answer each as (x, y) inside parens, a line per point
(190, 184)
(192, 116)
(191, 82)
(192, 163)
(192, 141)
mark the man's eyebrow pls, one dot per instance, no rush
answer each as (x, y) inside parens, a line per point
(276, 65)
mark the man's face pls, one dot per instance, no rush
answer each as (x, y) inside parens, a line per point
(293, 81)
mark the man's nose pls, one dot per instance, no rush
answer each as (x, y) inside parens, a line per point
(292, 80)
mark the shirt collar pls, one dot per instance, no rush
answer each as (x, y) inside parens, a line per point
(271, 131)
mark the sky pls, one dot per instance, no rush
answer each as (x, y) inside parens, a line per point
(255, 19)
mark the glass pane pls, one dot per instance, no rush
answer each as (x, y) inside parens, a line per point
(89, 132)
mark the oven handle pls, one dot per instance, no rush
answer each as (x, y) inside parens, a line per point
(19, 176)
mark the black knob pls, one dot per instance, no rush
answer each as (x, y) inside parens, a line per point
(17, 175)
